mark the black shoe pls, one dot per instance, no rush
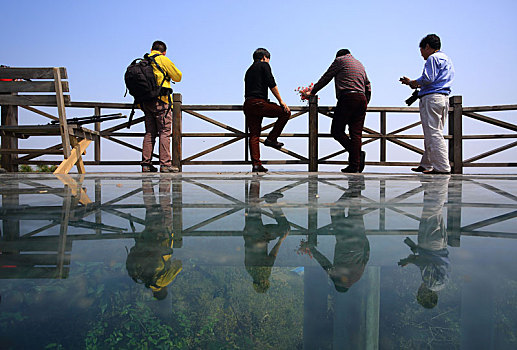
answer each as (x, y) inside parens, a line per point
(350, 169)
(274, 144)
(149, 168)
(420, 169)
(361, 163)
(258, 169)
(169, 169)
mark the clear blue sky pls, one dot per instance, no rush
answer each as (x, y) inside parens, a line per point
(212, 42)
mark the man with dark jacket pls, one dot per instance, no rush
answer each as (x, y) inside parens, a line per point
(353, 92)
(257, 80)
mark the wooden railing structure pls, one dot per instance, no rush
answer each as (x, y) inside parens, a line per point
(458, 114)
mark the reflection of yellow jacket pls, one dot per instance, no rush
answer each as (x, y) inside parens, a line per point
(166, 270)
(169, 68)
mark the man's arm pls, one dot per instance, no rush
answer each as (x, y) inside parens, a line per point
(368, 90)
(172, 72)
(427, 77)
(325, 78)
(276, 93)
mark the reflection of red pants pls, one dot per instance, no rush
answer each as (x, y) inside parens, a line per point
(254, 110)
(350, 110)
(157, 123)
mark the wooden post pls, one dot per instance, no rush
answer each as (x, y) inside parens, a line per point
(383, 133)
(97, 141)
(313, 133)
(9, 117)
(456, 131)
(176, 131)
(62, 114)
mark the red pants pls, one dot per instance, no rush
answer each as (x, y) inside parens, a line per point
(255, 109)
(351, 111)
(158, 122)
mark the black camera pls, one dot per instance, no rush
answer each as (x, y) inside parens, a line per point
(411, 99)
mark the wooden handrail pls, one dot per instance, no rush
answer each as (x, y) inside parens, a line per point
(457, 115)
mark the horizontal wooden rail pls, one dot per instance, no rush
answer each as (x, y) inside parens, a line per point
(233, 135)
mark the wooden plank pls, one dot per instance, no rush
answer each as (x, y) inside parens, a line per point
(75, 148)
(32, 100)
(490, 108)
(32, 156)
(31, 86)
(177, 141)
(9, 118)
(493, 136)
(40, 112)
(63, 126)
(31, 73)
(28, 151)
(215, 122)
(214, 148)
(491, 152)
(492, 121)
(74, 157)
(313, 133)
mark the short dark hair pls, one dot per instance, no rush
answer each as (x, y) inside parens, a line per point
(432, 40)
(159, 46)
(342, 52)
(260, 53)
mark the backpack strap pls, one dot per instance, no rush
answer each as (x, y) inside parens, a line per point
(152, 58)
(157, 66)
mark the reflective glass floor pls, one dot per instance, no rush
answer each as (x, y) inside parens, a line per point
(239, 261)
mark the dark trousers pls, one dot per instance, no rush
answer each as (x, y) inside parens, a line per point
(255, 109)
(351, 111)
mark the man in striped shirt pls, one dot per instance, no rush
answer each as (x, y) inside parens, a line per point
(353, 92)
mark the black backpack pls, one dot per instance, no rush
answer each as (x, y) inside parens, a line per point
(141, 83)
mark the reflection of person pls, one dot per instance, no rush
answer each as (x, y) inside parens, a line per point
(158, 113)
(435, 87)
(352, 249)
(257, 80)
(150, 259)
(431, 254)
(257, 236)
(353, 92)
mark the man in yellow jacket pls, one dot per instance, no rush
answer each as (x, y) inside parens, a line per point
(158, 113)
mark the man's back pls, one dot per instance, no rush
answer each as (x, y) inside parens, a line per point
(257, 80)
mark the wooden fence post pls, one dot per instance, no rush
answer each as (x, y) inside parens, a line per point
(9, 117)
(176, 131)
(97, 141)
(313, 133)
(456, 131)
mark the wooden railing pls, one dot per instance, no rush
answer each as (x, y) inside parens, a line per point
(312, 159)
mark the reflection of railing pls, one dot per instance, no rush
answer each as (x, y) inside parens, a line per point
(232, 135)
(79, 212)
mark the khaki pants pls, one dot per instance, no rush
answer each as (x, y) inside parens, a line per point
(433, 114)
